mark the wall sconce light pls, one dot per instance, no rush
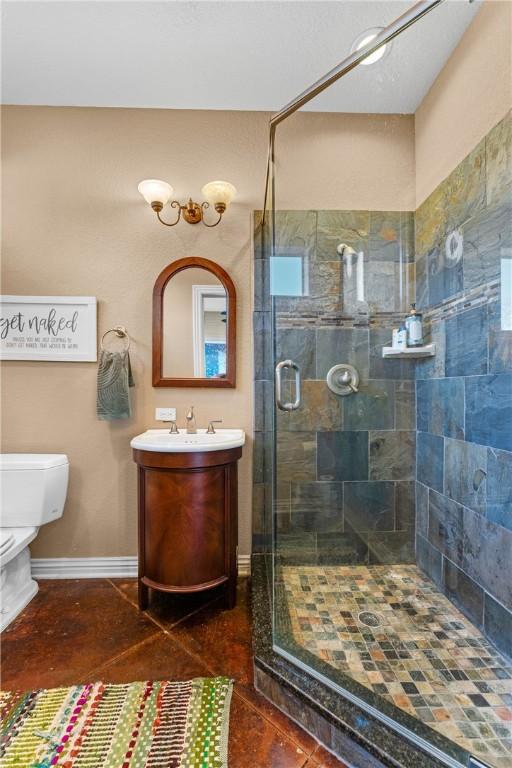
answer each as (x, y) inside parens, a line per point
(217, 193)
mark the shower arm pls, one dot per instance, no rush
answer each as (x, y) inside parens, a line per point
(407, 19)
(403, 22)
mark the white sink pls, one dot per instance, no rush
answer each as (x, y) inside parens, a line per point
(162, 441)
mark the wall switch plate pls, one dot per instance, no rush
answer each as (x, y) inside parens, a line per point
(165, 414)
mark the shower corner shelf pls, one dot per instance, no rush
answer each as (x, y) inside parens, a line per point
(428, 350)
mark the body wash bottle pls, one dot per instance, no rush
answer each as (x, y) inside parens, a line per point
(414, 325)
(401, 337)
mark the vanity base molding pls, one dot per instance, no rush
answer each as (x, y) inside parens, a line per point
(188, 522)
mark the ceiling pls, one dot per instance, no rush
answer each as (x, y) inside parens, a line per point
(218, 55)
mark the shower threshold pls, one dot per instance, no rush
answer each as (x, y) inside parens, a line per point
(389, 629)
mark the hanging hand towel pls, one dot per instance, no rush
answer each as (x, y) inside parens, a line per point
(114, 380)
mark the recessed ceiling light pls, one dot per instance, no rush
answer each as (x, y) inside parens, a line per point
(364, 39)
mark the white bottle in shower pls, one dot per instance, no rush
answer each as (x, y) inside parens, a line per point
(401, 338)
(414, 325)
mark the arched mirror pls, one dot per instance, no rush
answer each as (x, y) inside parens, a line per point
(194, 325)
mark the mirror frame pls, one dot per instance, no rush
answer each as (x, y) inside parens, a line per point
(159, 380)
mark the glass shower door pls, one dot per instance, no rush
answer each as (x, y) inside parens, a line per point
(392, 477)
(344, 422)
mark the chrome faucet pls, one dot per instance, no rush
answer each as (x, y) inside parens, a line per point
(174, 428)
(211, 428)
(191, 421)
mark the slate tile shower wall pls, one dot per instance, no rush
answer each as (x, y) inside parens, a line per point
(417, 467)
(346, 467)
(464, 393)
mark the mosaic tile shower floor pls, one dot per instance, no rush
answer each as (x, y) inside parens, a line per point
(390, 629)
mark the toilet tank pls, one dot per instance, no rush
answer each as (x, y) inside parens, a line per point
(33, 488)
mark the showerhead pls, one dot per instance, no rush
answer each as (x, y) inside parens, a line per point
(347, 254)
(345, 250)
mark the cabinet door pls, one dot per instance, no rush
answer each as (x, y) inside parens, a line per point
(185, 525)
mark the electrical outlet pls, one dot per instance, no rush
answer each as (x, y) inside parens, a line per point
(165, 414)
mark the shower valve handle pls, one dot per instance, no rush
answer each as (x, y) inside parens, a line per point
(343, 379)
(346, 378)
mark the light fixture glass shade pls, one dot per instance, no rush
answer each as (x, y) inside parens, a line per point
(364, 39)
(155, 191)
(219, 192)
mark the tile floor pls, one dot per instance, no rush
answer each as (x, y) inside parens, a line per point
(79, 631)
(394, 632)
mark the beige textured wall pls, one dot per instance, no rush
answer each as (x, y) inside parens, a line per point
(345, 161)
(470, 95)
(75, 224)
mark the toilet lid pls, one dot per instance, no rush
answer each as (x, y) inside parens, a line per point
(13, 540)
(6, 540)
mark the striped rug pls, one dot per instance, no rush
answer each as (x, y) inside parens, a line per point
(137, 725)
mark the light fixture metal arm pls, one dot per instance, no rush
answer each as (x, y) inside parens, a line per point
(157, 207)
(204, 206)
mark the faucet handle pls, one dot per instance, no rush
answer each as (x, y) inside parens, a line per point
(211, 428)
(174, 428)
(346, 378)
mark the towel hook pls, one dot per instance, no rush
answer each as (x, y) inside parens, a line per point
(121, 332)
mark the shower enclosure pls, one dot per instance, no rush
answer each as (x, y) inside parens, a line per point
(383, 482)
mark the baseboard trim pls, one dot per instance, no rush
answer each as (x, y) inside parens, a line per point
(244, 565)
(101, 567)
(84, 567)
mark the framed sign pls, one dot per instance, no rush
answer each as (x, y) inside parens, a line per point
(48, 328)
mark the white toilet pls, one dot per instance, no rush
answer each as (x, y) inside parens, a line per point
(33, 489)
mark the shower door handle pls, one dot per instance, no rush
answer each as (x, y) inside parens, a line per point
(279, 386)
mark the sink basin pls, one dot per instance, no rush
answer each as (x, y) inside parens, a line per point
(161, 441)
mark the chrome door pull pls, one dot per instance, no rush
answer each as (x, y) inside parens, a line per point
(279, 401)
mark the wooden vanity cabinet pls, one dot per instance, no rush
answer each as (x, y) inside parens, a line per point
(188, 522)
